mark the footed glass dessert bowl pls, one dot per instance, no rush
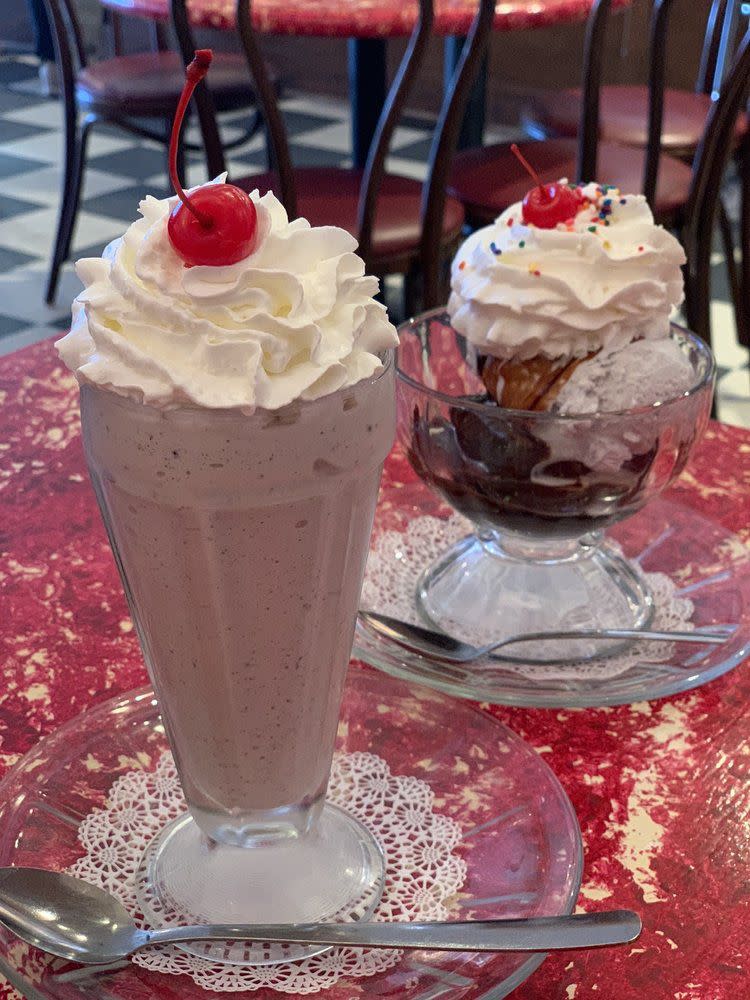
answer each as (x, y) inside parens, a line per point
(539, 489)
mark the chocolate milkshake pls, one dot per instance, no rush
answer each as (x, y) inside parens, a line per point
(243, 540)
(236, 414)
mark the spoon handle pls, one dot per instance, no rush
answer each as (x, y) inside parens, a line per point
(446, 649)
(586, 930)
(697, 637)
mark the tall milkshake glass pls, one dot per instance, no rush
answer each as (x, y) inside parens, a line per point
(241, 541)
(237, 404)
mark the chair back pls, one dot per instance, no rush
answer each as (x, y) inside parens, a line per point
(709, 167)
(718, 42)
(67, 38)
(204, 104)
(374, 170)
(717, 45)
(66, 29)
(593, 61)
(389, 118)
(718, 38)
(444, 142)
(660, 14)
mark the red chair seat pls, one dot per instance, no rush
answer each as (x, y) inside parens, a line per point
(328, 196)
(149, 84)
(624, 117)
(486, 181)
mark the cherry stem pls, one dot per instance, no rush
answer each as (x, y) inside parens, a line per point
(194, 73)
(530, 170)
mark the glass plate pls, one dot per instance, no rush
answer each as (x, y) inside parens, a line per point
(707, 563)
(521, 839)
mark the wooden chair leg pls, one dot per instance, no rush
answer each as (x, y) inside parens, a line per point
(75, 160)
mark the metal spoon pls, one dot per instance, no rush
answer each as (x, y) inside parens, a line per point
(67, 917)
(440, 646)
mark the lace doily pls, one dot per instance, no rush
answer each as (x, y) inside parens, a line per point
(397, 560)
(423, 872)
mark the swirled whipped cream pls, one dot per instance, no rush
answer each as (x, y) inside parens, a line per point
(598, 281)
(296, 319)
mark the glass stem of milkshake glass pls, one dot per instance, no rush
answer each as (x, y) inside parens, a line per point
(241, 541)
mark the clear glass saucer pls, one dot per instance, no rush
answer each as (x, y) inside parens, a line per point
(521, 841)
(706, 563)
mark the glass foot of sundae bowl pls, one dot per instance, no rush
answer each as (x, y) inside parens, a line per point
(334, 873)
(540, 488)
(490, 586)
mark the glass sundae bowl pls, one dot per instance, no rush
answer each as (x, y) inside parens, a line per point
(539, 489)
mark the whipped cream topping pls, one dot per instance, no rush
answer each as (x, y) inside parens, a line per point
(598, 281)
(296, 319)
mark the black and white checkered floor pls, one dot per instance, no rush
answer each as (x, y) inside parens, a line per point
(121, 169)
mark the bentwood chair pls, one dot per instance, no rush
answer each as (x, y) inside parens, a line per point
(138, 93)
(624, 109)
(402, 226)
(488, 180)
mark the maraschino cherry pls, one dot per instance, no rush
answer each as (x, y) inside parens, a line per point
(216, 224)
(546, 204)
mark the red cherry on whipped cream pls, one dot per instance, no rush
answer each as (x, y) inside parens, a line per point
(546, 204)
(216, 225)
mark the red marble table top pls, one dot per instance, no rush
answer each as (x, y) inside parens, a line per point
(363, 18)
(662, 790)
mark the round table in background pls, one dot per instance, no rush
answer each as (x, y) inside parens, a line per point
(368, 24)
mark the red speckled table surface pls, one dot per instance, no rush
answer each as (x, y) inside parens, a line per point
(662, 790)
(363, 18)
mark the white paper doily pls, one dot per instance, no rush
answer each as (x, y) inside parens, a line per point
(397, 559)
(423, 873)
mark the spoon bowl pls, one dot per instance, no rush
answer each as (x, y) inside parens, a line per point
(66, 916)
